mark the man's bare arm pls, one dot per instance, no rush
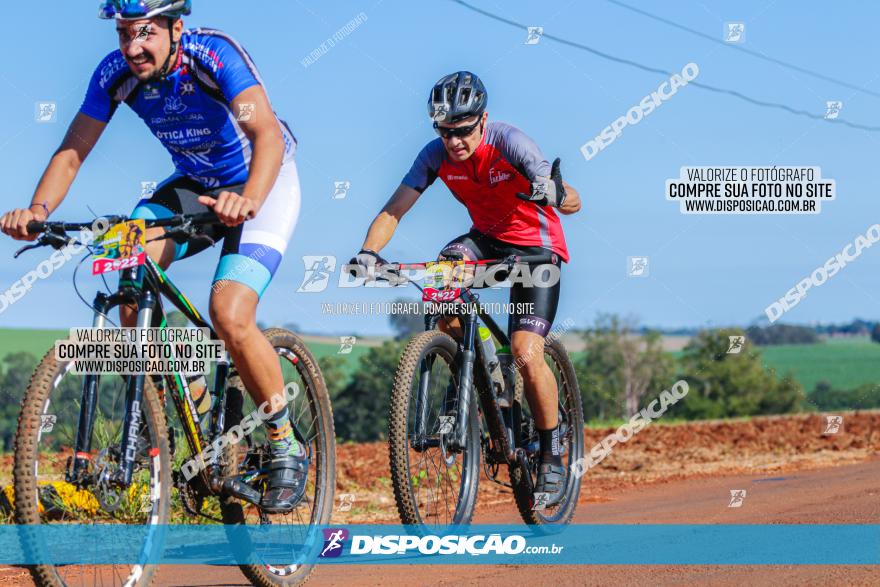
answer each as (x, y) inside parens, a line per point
(386, 221)
(82, 135)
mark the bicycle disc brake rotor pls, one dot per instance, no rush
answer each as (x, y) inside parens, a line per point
(108, 496)
(448, 455)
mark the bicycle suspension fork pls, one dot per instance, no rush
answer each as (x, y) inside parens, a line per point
(466, 379)
(134, 397)
(83, 446)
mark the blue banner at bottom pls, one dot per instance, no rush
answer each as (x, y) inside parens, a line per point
(578, 544)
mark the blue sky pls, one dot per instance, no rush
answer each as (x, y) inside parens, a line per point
(359, 114)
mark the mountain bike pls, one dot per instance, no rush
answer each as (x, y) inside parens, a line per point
(447, 411)
(104, 448)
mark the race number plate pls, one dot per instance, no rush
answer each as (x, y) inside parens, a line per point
(430, 294)
(121, 247)
(442, 281)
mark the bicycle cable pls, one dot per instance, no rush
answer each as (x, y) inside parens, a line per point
(80, 296)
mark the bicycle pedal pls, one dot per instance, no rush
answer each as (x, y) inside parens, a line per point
(241, 490)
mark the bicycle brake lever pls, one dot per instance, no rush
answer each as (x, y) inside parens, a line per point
(25, 248)
(47, 239)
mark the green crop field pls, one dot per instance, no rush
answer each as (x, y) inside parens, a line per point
(843, 363)
(35, 342)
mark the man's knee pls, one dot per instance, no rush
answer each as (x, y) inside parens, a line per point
(528, 350)
(231, 325)
(162, 252)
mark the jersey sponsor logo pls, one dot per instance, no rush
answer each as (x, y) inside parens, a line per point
(152, 93)
(496, 175)
(451, 177)
(205, 54)
(174, 105)
(187, 88)
(109, 70)
(184, 134)
(191, 117)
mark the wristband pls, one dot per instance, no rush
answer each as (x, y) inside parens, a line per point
(43, 204)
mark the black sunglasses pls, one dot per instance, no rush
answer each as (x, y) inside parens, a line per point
(461, 131)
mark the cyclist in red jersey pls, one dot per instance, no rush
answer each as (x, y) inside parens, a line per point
(512, 194)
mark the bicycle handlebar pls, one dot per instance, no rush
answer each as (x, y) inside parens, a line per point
(177, 220)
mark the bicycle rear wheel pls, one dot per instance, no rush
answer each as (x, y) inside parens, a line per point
(47, 428)
(311, 414)
(434, 486)
(571, 437)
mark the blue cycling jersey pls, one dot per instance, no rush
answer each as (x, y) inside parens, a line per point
(190, 111)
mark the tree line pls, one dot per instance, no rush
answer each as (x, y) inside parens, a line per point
(621, 370)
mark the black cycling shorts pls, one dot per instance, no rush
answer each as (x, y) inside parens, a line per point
(475, 246)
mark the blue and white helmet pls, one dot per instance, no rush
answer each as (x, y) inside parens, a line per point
(138, 9)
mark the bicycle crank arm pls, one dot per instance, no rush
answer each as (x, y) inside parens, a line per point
(239, 489)
(523, 462)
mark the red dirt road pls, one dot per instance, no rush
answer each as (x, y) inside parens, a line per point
(846, 495)
(792, 471)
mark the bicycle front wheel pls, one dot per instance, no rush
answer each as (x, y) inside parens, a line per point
(43, 493)
(434, 484)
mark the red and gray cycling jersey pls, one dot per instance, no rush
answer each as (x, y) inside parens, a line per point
(487, 182)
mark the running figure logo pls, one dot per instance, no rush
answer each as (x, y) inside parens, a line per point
(340, 189)
(346, 344)
(737, 497)
(318, 270)
(441, 110)
(540, 501)
(446, 425)
(833, 424)
(832, 109)
(736, 344)
(47, 423)
(143, 32)
(637, 266)
(246, 112)
(734, 32)
(46, 112)
(534, 35)
(333, 542)
(148, 188)
(345, 502)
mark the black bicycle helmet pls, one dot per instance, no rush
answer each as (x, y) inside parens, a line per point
(456, 97)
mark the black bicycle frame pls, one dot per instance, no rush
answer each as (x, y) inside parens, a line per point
(469, 357)
(144, 287)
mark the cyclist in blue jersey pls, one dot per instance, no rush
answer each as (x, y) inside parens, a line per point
(201, 95)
